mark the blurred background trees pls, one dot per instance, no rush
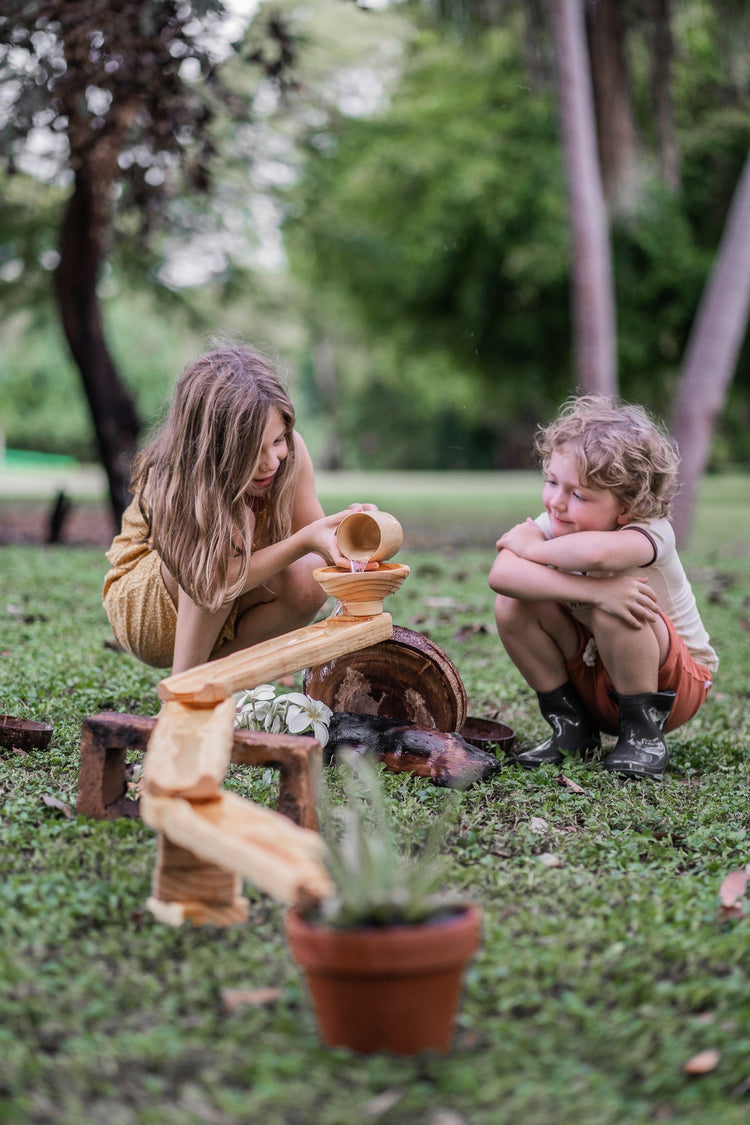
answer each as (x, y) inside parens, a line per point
(387, 208)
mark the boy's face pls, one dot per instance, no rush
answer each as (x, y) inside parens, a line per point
(572, 506)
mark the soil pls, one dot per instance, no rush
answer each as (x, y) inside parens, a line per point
(85, 525)
(90, 525)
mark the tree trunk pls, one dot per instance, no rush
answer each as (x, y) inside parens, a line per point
(325, 373)
(593, 296)
(669, 157)
(115, 419)
(616, 135)
(716, 338)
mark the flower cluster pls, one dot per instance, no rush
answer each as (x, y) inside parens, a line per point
(292, 713)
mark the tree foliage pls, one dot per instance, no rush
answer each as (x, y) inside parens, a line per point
(123, 100)
(440, 222)
(441, 225)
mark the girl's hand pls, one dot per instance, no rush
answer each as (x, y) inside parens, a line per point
(320, 537)
(630, 599)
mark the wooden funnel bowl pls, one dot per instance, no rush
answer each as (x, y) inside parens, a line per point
(361, 593)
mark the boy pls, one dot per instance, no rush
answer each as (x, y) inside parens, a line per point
(593, 605)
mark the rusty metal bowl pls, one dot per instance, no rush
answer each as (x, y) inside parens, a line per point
(24, 734)
(485, 733)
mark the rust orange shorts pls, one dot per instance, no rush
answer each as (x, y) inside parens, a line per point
(679, 673)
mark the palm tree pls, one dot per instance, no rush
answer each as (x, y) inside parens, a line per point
(593, 287)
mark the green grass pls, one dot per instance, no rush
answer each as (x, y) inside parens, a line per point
(602, 971)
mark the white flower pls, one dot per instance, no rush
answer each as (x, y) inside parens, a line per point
(261, 693)
(302, 712)
(261, 709)
(253, 706)
(589, 653)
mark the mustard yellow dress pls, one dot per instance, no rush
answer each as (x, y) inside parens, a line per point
(141, 613)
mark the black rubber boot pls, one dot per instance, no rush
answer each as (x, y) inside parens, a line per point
(641, 749)
(573, 729)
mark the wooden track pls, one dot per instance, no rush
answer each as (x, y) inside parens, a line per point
(208, 684)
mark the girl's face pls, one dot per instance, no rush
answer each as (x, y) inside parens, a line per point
(273, 451)
(572, 506)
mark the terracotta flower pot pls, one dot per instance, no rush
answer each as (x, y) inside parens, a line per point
(390, 988)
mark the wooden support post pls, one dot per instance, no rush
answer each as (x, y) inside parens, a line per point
(107, 737)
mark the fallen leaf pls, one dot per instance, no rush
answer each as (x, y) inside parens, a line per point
(287, 681)
(549, 859)
(26, 618)
(741, 1088)
(467, 631)
(446, 1117)
(445, 603)
(703, 1063)
(566, 782)
(731, 891)
(538, 824)
(135, 779)
(234, 998)
(56, 803)
(664, 1111)
(381, 1103)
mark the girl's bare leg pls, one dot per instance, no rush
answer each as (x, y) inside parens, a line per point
(289, 601)
(539, 637)
(197, 629)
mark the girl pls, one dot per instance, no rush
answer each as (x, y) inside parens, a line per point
(594, 607)
(218, 546)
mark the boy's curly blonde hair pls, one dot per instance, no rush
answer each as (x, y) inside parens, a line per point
(619, 447)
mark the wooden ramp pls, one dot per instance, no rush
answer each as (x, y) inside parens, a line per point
(211, 839)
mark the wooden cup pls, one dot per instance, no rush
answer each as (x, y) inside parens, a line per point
(369, 536)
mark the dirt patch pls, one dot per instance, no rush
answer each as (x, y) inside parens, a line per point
(85, 525)
(90, 525)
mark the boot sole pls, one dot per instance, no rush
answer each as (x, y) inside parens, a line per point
(585, 752)
(634, 772)
(538, 765)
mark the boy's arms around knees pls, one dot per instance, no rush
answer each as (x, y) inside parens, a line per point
(526, 570)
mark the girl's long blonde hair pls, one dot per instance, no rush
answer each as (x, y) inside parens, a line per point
(193, 477)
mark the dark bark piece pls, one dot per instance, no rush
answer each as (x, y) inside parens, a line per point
(445, 758)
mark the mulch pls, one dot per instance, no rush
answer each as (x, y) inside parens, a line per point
(89, 525)
(28, 524)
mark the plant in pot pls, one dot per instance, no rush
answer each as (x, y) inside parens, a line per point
(384, 957)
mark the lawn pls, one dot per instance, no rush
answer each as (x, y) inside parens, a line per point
(606, 963)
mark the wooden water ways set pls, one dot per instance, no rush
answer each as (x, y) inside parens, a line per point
(393, 692)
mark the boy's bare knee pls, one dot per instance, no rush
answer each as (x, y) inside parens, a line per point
(508, 611)
(603, 624)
